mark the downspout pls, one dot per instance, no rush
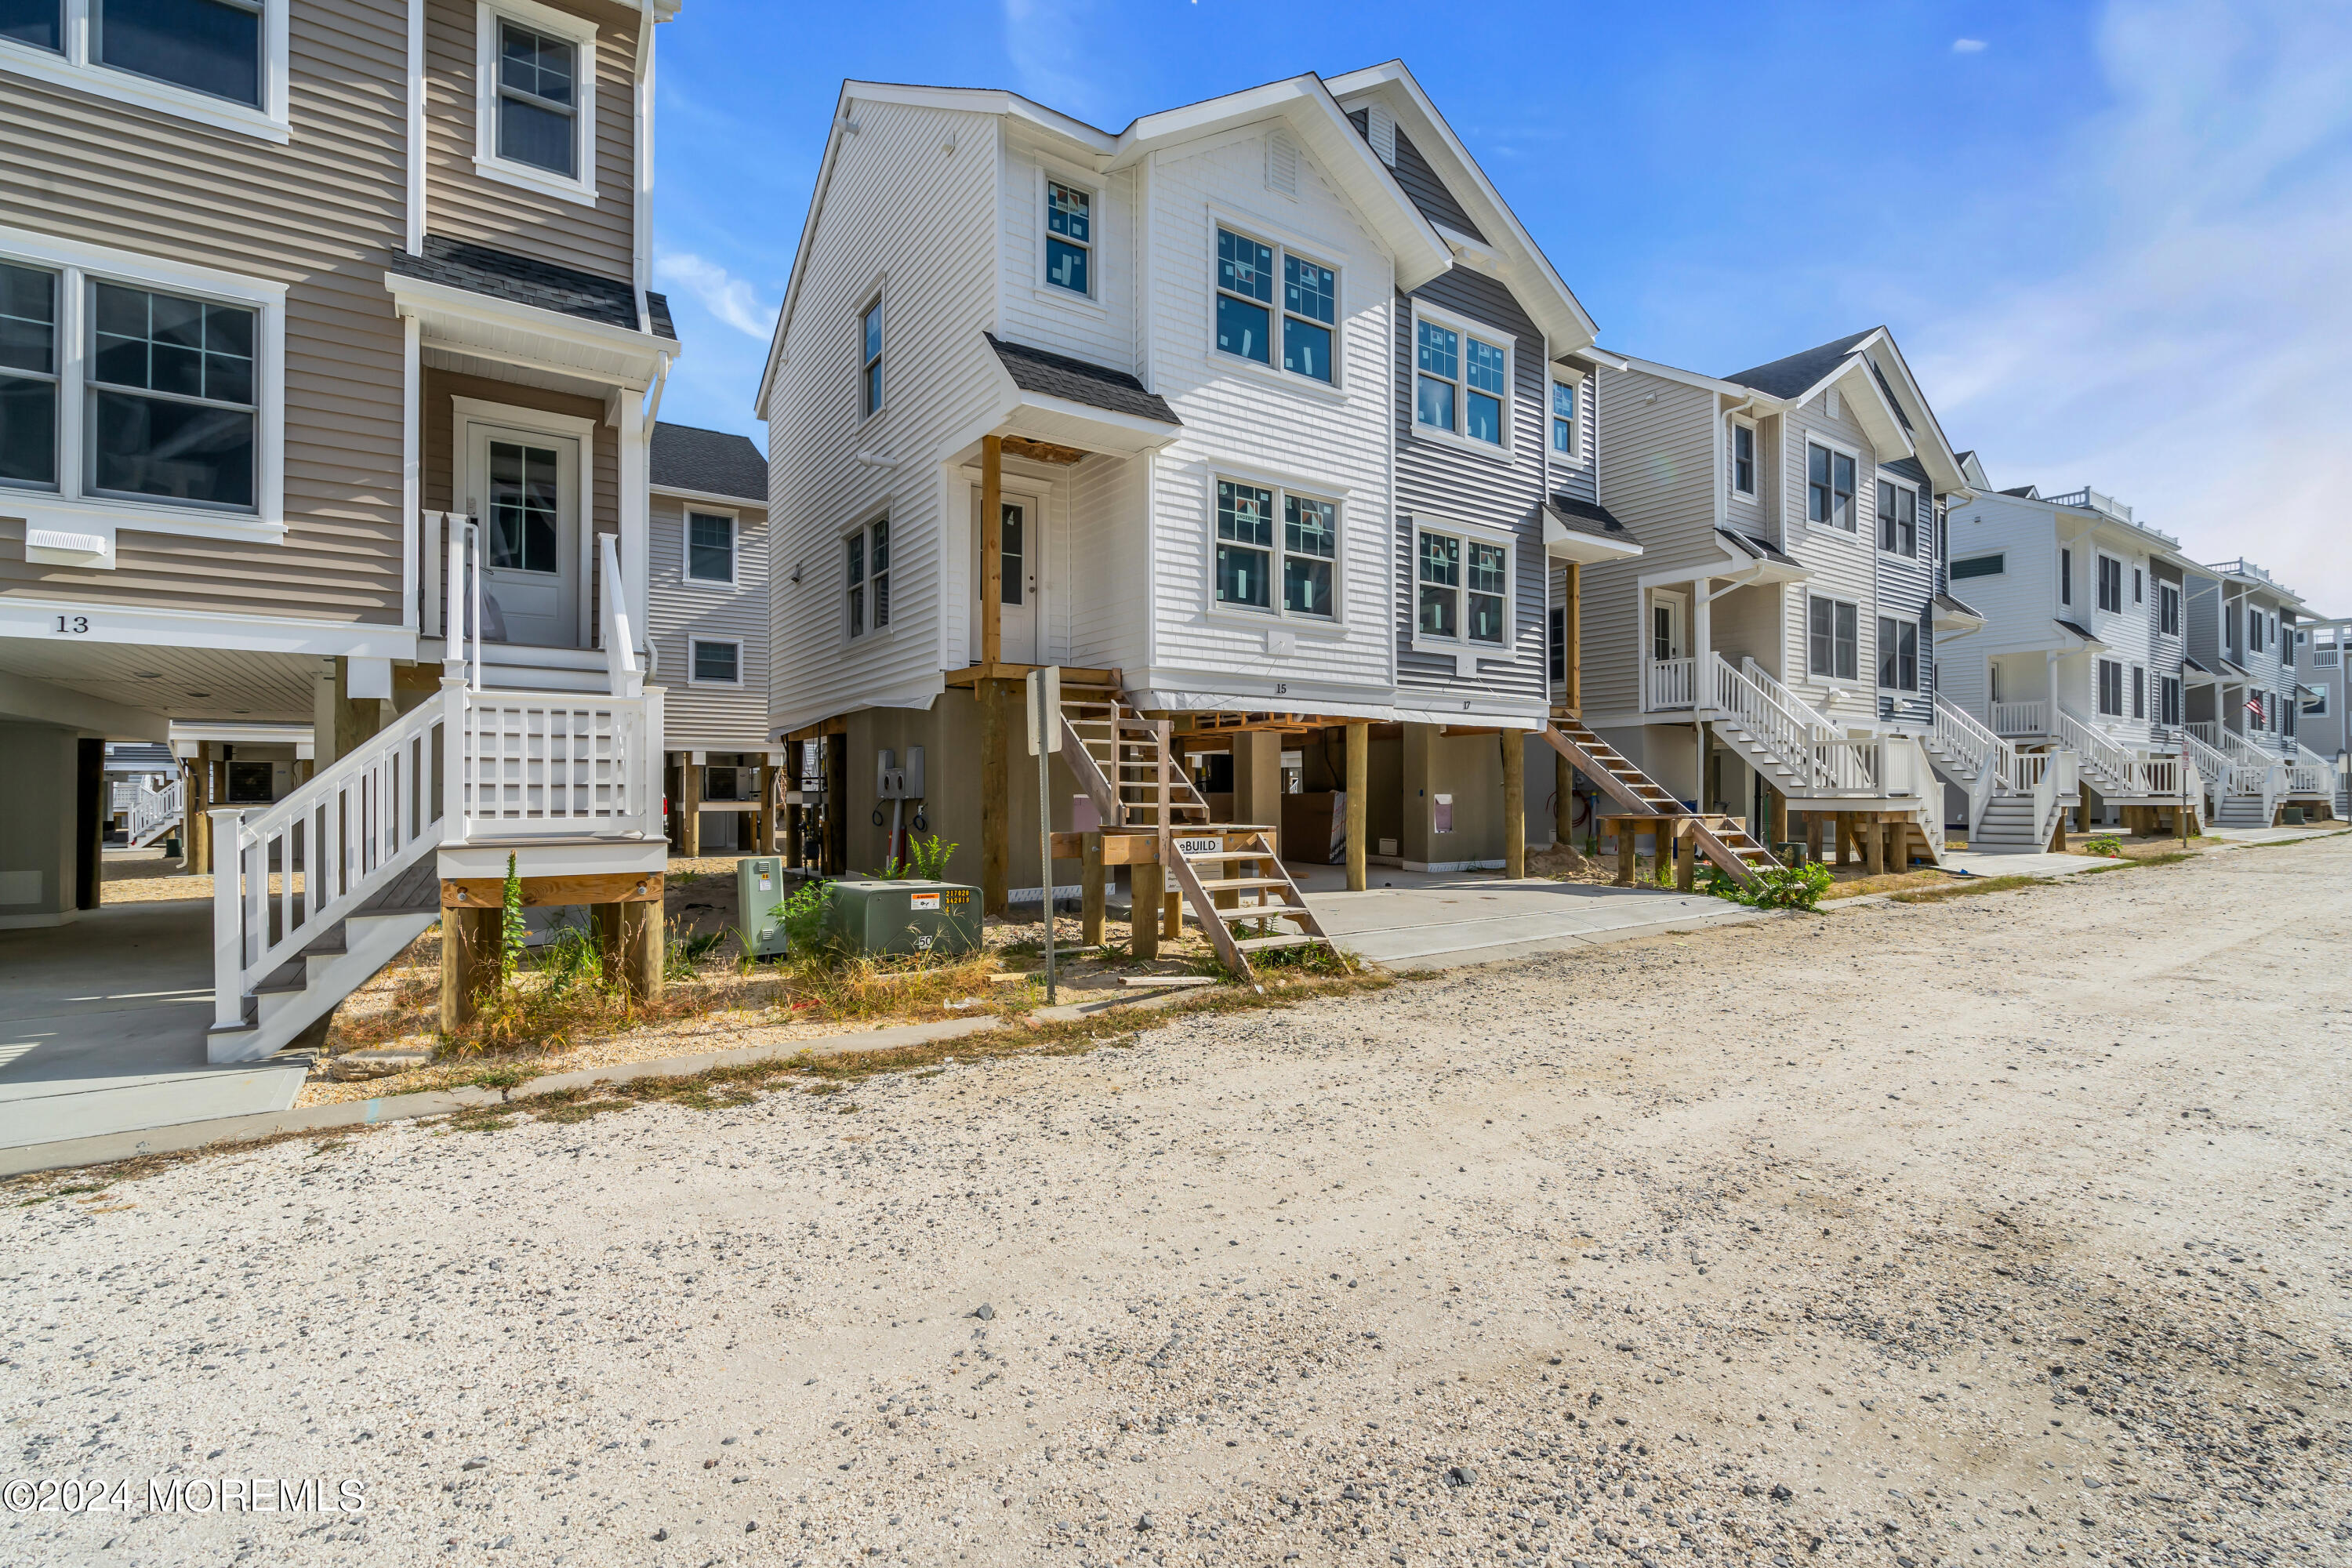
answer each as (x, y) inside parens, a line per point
(641, 201)
(415, 89)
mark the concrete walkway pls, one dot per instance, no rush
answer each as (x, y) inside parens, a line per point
(102, 1028)
(1432, 920)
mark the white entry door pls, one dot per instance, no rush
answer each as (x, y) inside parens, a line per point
(1024, 553)
(1666, 626)
(524, 486)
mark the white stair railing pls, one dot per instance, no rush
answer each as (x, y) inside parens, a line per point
(1778, 691)
(155, 811)
(620, 642)
(284, 875)
(1824, 761)
(2109, 764)
(2021, 718)
(1670, 684)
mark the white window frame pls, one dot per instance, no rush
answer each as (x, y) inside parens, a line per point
(1862, 660)
(1851, 530)
(1575, 455)
(2099, 688)
(580, 33)
(877, 300)
(1334, 495)
(2167, 609)
(1952, 572)
(1283, 246)
(1755, 485)
(1047, 289)
(864, 532)
(2099, 559)
(1493, 337)
(1898, 488)
(1467, 534)
(1880, 653)
(76, 67)
(685, 517)
(2138, 694)
(694, 676)
(68, 507)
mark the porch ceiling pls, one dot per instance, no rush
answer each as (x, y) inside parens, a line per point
(183, 683)
(526, 336)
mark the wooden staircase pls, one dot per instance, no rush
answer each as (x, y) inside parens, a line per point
(1230, 874)
(1724, 842)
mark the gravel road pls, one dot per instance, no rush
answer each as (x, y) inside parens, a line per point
(2006, 1226)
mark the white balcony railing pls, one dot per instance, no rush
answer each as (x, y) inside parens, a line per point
(1670, 685)
(2021, 718)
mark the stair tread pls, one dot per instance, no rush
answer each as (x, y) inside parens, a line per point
(1259, 943)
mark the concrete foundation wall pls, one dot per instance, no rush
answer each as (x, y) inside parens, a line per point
(37, 824)
(949, 734)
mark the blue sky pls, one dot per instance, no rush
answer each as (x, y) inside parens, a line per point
(2114, 240)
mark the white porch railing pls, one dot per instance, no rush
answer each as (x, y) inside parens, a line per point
(1824, 761)
(2021, 718)
(1779, 692)
(2107, 764)
(155, 813)
(1670, 684)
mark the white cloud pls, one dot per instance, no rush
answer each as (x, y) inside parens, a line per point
(721, 293)
(1967, 46)
(2190, 357)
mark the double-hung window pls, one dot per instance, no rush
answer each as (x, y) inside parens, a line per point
(2111, 584)
(221, 63)
(2139, 587)
(2139, 692)
(28, 376)
(1829, 488)
(1246, 312)
(1249, 541)
(207, 46)
(171, 411)
(2111, 688)
(1563, 418)
(1898, 518)
(1898, 654)
(1462, 382)
(539, 100)
(869, 577)
(1743, 459)
(1070, 237)
(2065, 576)
(2169, 699)
(869, 359)
(716, 661)
(2167, 609)
(710, 548)
(1461, 589)
(1834, 648)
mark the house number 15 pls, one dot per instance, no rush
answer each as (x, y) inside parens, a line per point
(73, 625)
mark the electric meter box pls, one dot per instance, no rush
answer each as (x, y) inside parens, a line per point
(759, 904)
(903, 917)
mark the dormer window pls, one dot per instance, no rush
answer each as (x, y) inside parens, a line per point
(1069, 237)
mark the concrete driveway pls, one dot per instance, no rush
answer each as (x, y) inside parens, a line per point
(1432, 920)
(102, 1028)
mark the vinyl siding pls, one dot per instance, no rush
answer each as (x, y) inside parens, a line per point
(1260, 423)
(316, 215)
(1428, 192)
(1106, 600)
(460, 202)
(1656, 474)
(938, 279)
(1096, 330)
(1907, 585)
(709, 718)
(1843, 565)
(1440, 480)
(2019, 604)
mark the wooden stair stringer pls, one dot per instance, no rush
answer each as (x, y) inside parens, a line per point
(1607, 767)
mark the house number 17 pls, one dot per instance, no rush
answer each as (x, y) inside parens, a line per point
(73, 625)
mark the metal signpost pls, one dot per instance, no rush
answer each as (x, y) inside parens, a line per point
(1045, 740)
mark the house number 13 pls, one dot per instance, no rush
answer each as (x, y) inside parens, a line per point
(73, 625)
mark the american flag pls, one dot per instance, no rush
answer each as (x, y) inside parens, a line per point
(2254, 704)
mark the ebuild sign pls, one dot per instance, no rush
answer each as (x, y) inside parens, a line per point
(184, 1494)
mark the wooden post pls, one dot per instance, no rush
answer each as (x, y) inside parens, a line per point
(1563, 805)
(1572, 639)
(1813, 836)
(604, 928)
(1873, 844)
(2058, 831)
(1144, 885)
(469, 963)
(1685, 855)
(763, 819)
(995, 798)
(1515, 802)
(992, 554)
(1360, 774)
(690, 820)
(1625, 826)
(196, 824)
(1779, 832)
(1090, 892)
(1898, 845)
(641, 951)
(1844, 836)
(1171, 912)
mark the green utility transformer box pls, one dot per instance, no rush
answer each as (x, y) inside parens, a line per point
(902, 918)
(759, 904)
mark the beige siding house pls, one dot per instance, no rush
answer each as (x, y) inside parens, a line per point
(327, 337)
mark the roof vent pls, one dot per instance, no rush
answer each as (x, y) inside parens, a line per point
(1836, 410)
(1381, 133)
(1282, 164)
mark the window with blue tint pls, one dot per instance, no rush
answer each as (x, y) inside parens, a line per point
(1438, 572)
(1245, 544)
(28, 376)
(40, 23)
(869, 339)
(208, 46)
(1310, 542)
(1487, 375)
(538, 99)
(1244, 297)
(1438, 358)
(172, 397)
(710, 547)
(1563, 418)
(1069, 237)
(1489, 581)
(1310, 303)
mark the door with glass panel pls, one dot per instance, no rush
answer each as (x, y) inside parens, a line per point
(524, 488)
(1023, 551)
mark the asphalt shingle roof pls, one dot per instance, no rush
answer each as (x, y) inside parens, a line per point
(1760, 547)
(1073, 380)
(1589, 517)
(1787, 377)
(1945, 602)
(502, 275)
(713, 462)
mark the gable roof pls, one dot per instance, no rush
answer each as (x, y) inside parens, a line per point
(1589, 517)
(1796, 377)
(1050, 374)
(708, 462)
(1798, 374)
